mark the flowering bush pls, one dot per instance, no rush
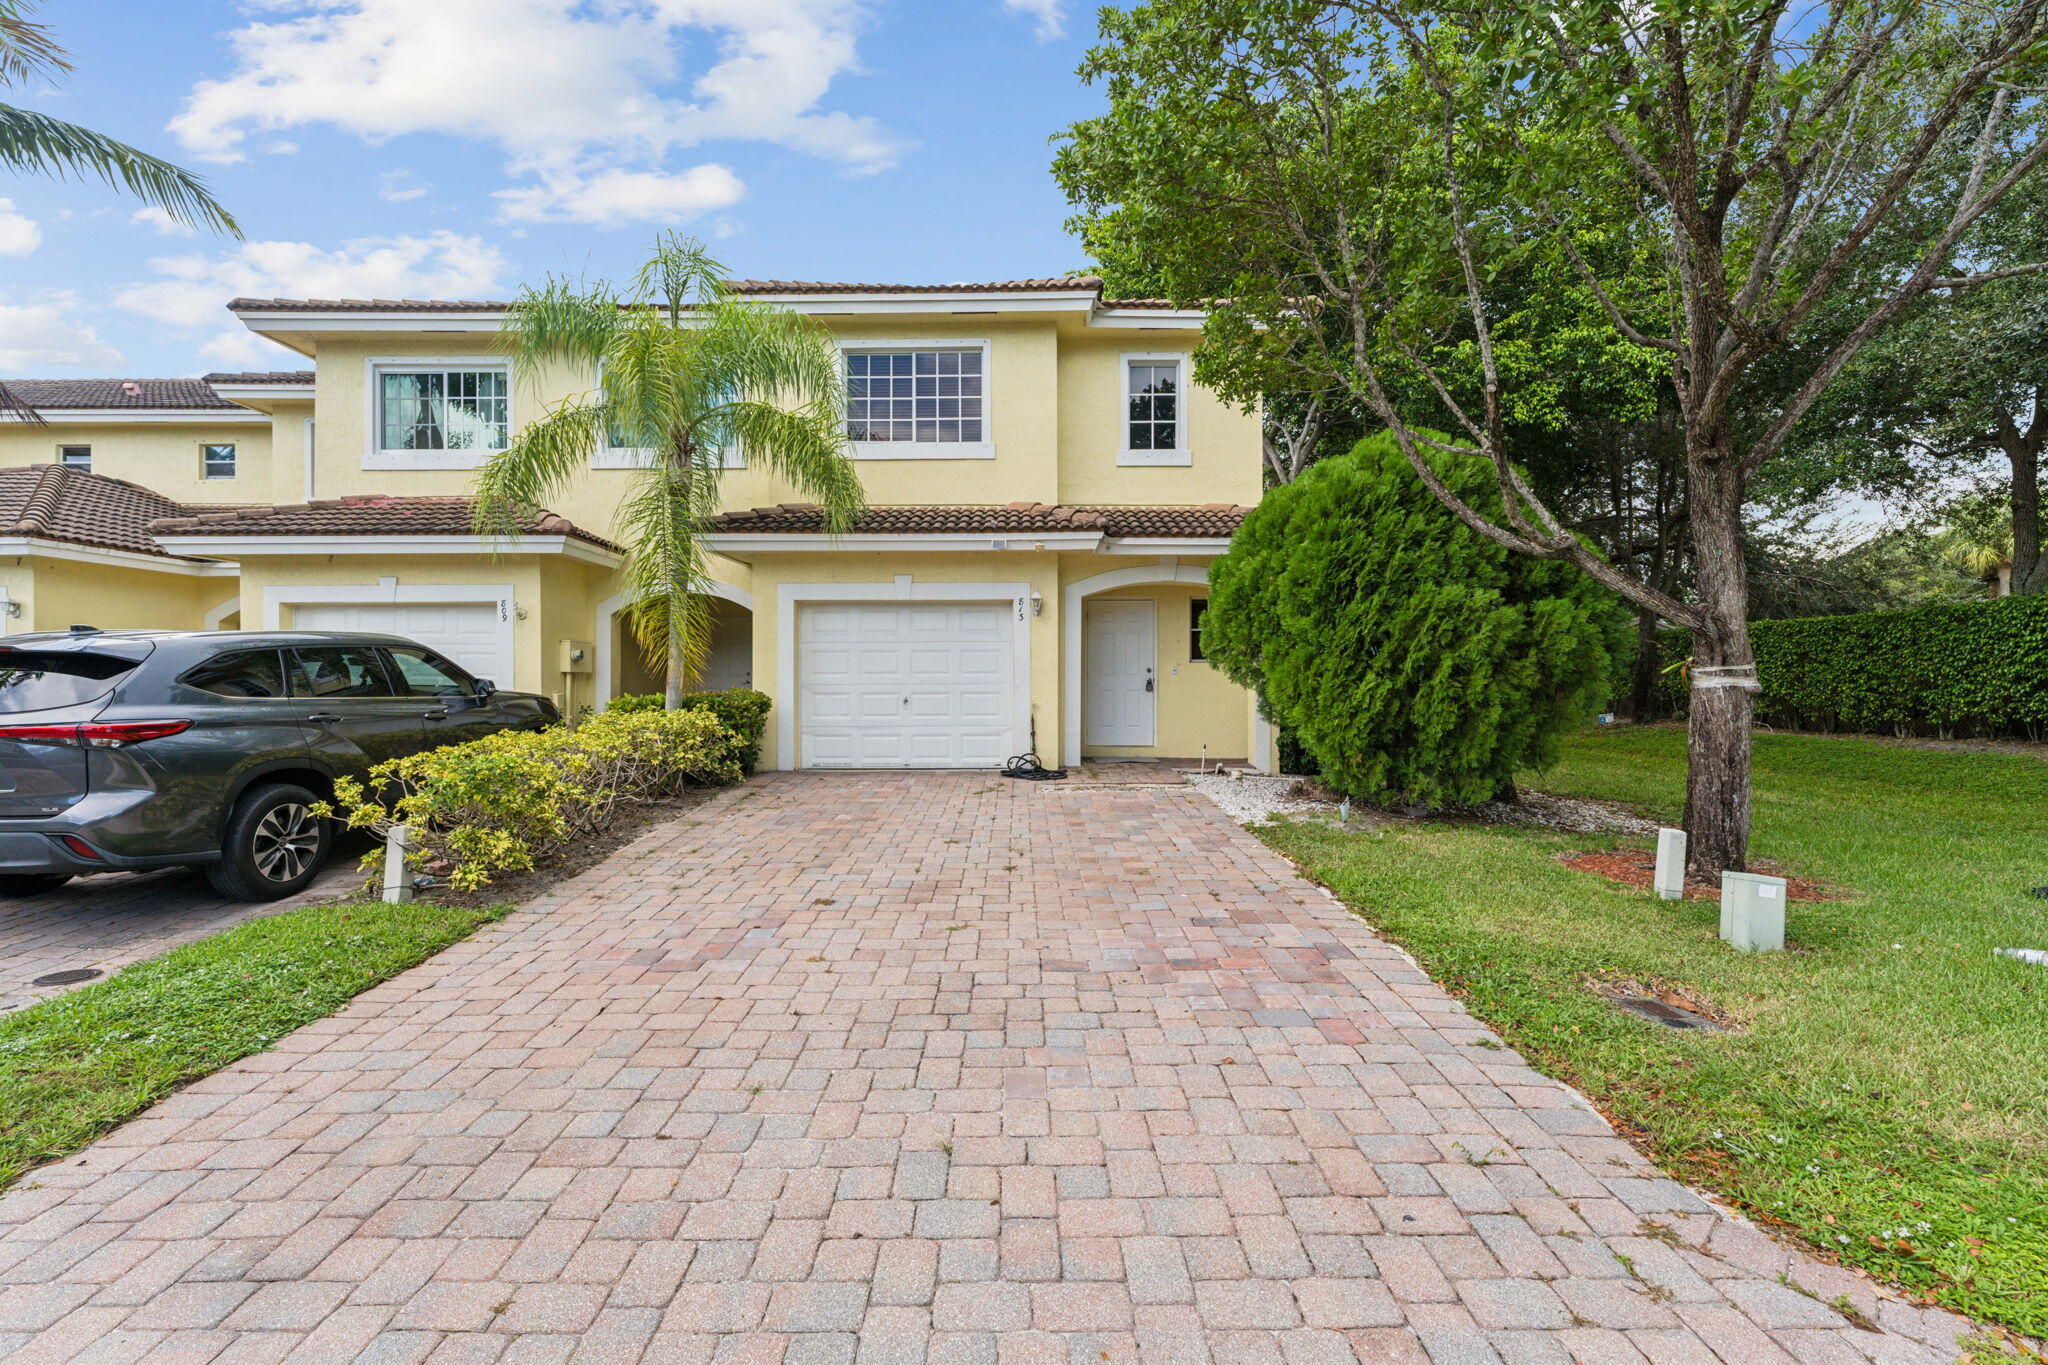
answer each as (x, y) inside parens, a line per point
(510, 802)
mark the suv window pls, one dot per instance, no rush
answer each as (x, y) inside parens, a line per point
(425, 674)
(34, 681)
(342, 671)
(246, 673)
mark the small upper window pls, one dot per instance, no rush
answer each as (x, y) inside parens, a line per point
(452, 409)
(1197, 609)
(75, 457)
(217, 461)
(423, 674)
(243, 674)
(1154, 421)
(926, 397)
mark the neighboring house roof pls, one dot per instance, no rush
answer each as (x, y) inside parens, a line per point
(1066, 284)
(52, 502)
(259, 377)
(1208, 520)
(119, 393)
(374, 514)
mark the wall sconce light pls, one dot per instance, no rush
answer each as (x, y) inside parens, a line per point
(1037, 603)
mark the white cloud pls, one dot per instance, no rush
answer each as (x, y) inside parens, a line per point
(41, 333)
(20, 234)
(190, 290)
(1050, 16)
(161, 221)
(613, 197)
(572, 92)
(248, 351)
(397, 187)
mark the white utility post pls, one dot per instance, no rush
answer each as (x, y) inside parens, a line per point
(1753, 911)
(1670, 864)
(397, 873)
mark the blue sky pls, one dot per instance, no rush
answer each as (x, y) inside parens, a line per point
(462, 147)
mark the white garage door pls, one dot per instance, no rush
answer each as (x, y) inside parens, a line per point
(469, 633)
(929, 685)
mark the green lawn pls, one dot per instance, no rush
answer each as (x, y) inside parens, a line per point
(1888, 1099)
(74, 1066)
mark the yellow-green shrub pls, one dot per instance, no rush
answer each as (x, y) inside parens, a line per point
(510, 802)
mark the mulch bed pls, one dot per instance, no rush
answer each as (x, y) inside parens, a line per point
(1638, 870)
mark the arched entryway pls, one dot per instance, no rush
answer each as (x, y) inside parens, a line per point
(622, 670)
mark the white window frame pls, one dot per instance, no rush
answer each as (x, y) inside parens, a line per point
(376, 457)
(234, 460)
(984, 449)
(85, 446)
(1180, 455)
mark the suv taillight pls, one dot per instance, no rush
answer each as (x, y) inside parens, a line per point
(95, 734)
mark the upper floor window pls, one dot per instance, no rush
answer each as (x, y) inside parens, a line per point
(1153, 417)
(75, 457)
(455, 408)
(217, 461)
(912, 397)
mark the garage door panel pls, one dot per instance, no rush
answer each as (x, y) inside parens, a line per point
(928, 685)
(468, 633)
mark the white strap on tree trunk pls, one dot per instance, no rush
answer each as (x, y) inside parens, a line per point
(1726, 675)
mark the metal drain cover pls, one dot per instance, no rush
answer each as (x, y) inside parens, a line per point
(71, 976)
(1656, 1011)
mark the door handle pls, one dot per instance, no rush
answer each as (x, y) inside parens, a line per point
(323, 718)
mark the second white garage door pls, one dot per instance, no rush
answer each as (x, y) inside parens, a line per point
(468, 633)
(924, 685)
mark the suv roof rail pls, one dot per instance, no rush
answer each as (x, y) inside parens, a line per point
(85, 630)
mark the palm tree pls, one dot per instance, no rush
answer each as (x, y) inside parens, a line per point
(685, 372)
(37, 144)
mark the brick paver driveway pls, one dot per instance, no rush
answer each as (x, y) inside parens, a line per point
(905, 1068)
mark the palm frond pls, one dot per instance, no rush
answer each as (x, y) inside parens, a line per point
(667, 568)
(27, 49)
(806, 446)
(541, 460)
(679, 275)
(39, 144)
(14, 406)
(560, 320)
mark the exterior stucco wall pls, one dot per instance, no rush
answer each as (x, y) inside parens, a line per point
(162, 456)
(56, 594)
(1222, 442)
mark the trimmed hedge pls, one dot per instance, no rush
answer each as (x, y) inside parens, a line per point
(1979, 666)
(739, 709)
(517, 800)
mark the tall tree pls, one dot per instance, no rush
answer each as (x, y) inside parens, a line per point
(686, 373)
(1369, 166)
(36, 144)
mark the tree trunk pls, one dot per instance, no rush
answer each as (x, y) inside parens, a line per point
(2029, 573)
(1643, 676)
(1723, 675)
(678, 656)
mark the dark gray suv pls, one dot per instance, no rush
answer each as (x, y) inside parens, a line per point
(136, 749)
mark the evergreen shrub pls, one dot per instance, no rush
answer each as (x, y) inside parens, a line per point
(1414, 659)
(741, 710)
(1980, 667)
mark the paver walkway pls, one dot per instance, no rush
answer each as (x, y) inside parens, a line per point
(887, 1068)
(109, 921)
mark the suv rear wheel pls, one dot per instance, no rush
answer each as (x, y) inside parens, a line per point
(274, 845)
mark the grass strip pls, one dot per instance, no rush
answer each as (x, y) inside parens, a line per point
(74, 1066)
(1887, 1099)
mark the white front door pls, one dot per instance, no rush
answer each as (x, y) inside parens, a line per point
(1119, 650)
(906, 685)
(469, 633)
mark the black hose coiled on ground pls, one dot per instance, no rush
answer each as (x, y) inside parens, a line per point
(1029, 769)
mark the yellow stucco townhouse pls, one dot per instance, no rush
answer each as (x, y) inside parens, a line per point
(1047, 487)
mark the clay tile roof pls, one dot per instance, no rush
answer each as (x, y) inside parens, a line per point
(374, 514)
(1038, 286)
(259, 377)
(117, 393)
(52, 502)
(1216, 520)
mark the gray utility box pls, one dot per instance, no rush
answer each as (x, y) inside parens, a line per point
(1753, 911)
